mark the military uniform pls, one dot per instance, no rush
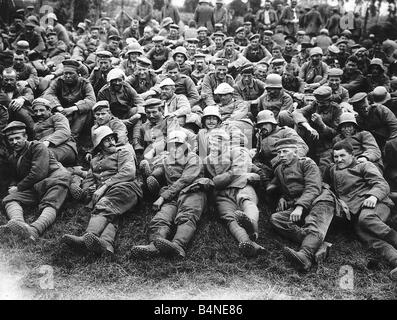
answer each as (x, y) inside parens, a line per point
(98, 79)
(210, 83)
(256, 54)
(159, 58)
(282, 107)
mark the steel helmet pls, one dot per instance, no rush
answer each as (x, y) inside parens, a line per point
(100, 133)
(115, 73)
(134, 48)
(181, 50)
(316, 50)
(211, 111)
(266, 116)
(273, 81)
(177, 136)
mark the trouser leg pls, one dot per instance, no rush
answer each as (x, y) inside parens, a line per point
(287, 228)
(160, 225)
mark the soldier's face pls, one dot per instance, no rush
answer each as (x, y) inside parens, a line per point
(167, 92)
(113, 44)
(191, 48)
(225, 98)
(287, 155)
(133, 56)
(9, 82)
(179, 58)
(19, 60)
(265, 129)
(229, 47)
(108, 144)
(173, 32)
(116, 84)
(277, 54)
(211, 122)
(41, 113)
(218, 41)
(199, 64)
(347, 129)
(70, 76)
(153, 114)
(361, 107)
(173, 74)
(17, 141)
(266, 39)
(323, 102)
(105, 24)
(260, 72)
(158, 46)
(247, 78)
(95, 34)
(351, 66)
(221, 72)
(375, 70)
(202, 35)
(342, 47)
(342, 158)
(334, 82)
(240, 35)
(134, 24)
(273, 92)
(247, 28)
(147, 33)
(51, 40)
(316, 58)
(288, 45)
(143, 71)
(105, 65)
(255, 43)
(102, 116)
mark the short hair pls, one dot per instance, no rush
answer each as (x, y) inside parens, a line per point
(344, 145)
(172, 65)
(192, 24)
(277, 47)
(353, 59)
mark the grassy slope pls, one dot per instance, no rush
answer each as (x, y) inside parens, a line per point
(213, 268)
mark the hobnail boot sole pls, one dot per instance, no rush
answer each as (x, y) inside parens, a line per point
(144, 167)
(393, 274)
(143, 253)
(70, 242)
(21, 230)
(295, 261)
(153, 185)
(245, 222)
(167, 248)
(247, 249)
(93, 243)
(4, 231)
(76, 193)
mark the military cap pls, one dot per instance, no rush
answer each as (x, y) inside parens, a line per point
(240, 29)
(218, 25)
(268, 33)
(177, 136)
(306, 44)
(95, 28)
(52, 16)
(20, 11)
(153, 102)
(51, 33)
(380, 95)
(286, 143)
(71, 63)
(166, 21)
(248, 23)
(324, 31)
(248, 68)
(30, 24)
(323, 92)
(301, 33)
(377, 62)
(341, 41)
(315, 51)
(22, 45)
(174, 26)
(221, 62)
(202, 28)
(81, 25)
(101, 133)
(115, 37)
(192, 40)
(41, 102)
(114, 74)
(134, 48)
(88, 21)
(357, 97)
(102, 104)
(277, 62)
(335, 72)
(105, 19)
(228, 39)
(30, 7)
(14, 127)
(254, 36)
(158, 39)
(219, 34)
(224, 88)
(355, 46)
(290, 38)
(346, 32)
(334, 49)
(167, 82)
(347, 117)
(104, 54)
(199, 56)
(180, 50)
(143, 61)
(33, 19)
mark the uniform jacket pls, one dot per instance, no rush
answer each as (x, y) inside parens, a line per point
(35, 40)
(308, 72)
(204, 16)
(184, 85)
(178, 105)
(98, 79)
(249, 92)
(29, 74)
(81, 94)
(235, 110)
(312, 22)
(283, 103)
(340, 95)
(142, 85)
(123, 104)
(145, 12)
(210, 83)
(159, 58)
(357, 182)
(255, 55)
(354, 82)
(55, 130)
(170, 11)
(260, 15)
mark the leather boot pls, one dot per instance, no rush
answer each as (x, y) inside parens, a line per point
(15, 213)
(75, 242)
(302, 260)
(391, 238)
(177, 246)
(104, 244)
(153, 185)
(247, 247)
(145, 251)
(94, 229)
(144, 168)
(249, 225)
(46, 219)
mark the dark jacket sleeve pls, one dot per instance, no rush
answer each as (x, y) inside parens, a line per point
(379, 187)
(312, 180)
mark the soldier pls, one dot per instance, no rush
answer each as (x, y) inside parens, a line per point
(377, 76)
(18, 100)
(174, 39)
(331, 58)
(129, 64)
(133, 30)
(353, 79)
(34, 39)
(181, 202)
(240, 38)
(276, 100)
(53, 131)
(38, 179)
(212, 80)
(100, 72)
(146, 41)
(289, 49)
(205, 45)
(200, 70)
(267, 40)
(269, 133)
(144, 78)
(124, 102)
(26, 73)
(343, 55)
(317, 124)
(267, 17)
(365, 195)
(304, 54)
(111, 189)
(55, 49)
(363, 142)
(179, 56)
(303, 200)
(234, 57)
(339, 93)
(230, 167)
(72, 95)
(218, 38)
(159, 54)
(210, 120)
(256, 52)
(314, 72)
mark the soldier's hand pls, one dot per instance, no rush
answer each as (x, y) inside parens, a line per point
(317, 119)
(16, 104)
(23, 83)
(370, 202)
(313, 133)
(12, 189)
(282, 205)
(158, 203)
(88, 157)
(362, 159)
(68, 111)
(296, 215)
(46, 143)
